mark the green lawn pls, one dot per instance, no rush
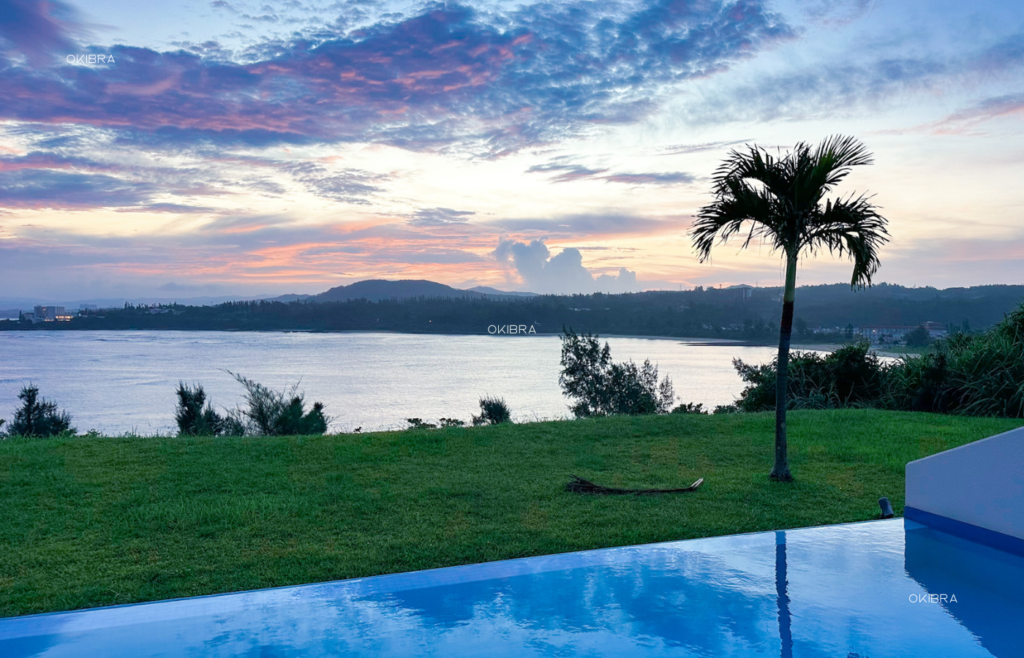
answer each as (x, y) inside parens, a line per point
(101, 521)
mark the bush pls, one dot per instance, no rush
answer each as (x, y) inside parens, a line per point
(851, 376)
(601, 387)
(194, 415)
(420, 424)
(970, 374)
(919, 338)
(493, 411)
(274, 413)
(38, 417)
(690, 408)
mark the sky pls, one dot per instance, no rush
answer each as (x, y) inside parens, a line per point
(197, 148)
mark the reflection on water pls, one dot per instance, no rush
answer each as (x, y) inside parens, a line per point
(121, 381)
(988, 586)
(833, 591)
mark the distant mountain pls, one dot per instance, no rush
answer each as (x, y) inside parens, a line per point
(494, 292)
(284, 299)
(375, 290)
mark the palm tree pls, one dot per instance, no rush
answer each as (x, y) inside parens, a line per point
(783, 199)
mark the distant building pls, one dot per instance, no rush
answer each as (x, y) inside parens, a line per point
(743, 290)
(881, 333)
(50, 314)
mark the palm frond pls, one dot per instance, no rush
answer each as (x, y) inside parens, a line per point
(850, 227)
(782, 199)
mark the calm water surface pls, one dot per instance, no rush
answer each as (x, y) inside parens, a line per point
(855, 591)
(121, 381)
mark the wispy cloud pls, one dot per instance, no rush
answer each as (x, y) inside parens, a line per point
(41, 31)
(565, 172)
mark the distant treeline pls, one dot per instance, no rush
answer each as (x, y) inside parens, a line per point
(743, 313)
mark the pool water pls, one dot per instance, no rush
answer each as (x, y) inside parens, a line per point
(865, 590)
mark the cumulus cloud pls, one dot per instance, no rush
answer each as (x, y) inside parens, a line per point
(562, 273)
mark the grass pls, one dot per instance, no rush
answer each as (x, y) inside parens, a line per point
(100, 521)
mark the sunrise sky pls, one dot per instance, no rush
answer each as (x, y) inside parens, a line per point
(247, 148)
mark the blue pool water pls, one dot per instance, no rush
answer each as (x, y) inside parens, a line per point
(866, 590)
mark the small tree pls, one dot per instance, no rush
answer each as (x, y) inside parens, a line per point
(194, 415)
(275, 413)
(601, 387)
(919, 338)
(38, 417)
(493, 411)
(783, 202)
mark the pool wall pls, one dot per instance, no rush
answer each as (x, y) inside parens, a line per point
(975, 491)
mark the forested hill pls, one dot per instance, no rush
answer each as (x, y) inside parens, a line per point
(748, 313)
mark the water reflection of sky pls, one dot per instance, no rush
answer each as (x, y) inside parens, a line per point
(368, 380)
(838, 591)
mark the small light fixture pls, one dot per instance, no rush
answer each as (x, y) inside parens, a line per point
(887, 512)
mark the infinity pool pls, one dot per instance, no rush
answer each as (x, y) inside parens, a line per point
(866, 590)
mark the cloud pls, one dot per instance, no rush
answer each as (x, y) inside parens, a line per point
(589, 225)
(450, 76)
(837, 12)
(825, 91)
(985, 110)
(686, 149)
(346, 186)
(651, 178)
(834, 88)
(562, 273)
(46, 160)
(39, 30)
(38, 188)
(440, 217)
(566, 172)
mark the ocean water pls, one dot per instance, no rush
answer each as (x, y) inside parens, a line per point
(124, 381)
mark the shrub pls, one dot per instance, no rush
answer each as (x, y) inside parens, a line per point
(194, 415)
(451, 422)
(601, 387)
(851, 376)
(420, 424)
(919, 338)
(493, 411)
(690, 408)
(971, 374)
(274, 413)
(38, 417)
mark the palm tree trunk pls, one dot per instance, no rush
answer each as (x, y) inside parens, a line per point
(780, 471)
